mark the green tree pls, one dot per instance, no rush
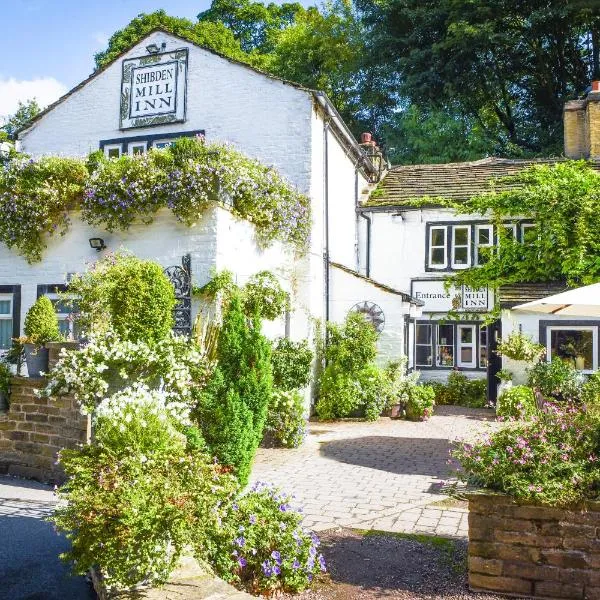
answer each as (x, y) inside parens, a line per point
(25, 112)
(510, 65)
(213, 35)
(233, 407)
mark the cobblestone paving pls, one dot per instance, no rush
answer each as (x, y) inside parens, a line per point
(388, 475)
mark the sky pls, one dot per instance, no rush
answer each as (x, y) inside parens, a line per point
(48, 46)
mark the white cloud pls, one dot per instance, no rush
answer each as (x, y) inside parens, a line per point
(44, 89)
(101, 39)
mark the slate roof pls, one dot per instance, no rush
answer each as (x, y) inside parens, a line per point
(403, 185)
(519, 293)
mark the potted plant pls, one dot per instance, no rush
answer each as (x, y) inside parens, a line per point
(505, 376)
(5, 377)
(41, 327)
(420, 403)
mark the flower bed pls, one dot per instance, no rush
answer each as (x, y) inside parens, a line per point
(533, 550)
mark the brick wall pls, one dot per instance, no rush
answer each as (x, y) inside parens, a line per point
(534, 551)
(35, 429)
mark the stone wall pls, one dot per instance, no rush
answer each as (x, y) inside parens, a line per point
(534, 551)
(35, 429)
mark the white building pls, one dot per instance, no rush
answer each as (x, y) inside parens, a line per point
(410, 243)
(294, 129)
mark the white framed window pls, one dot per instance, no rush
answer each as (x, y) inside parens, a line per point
(510, 230)
(6, 321)
(66, 314)
(466, 346)
(483, 349)
(445, 346)
(438, 258)
(159, 144)
(423, 346)
(112, 150)
(528, 233)
(575, 344)
(134, 148)
(461, 246)
(484, 238)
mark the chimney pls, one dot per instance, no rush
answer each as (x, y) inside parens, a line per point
(581, 120)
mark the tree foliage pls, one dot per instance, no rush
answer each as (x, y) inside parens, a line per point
(25, 112)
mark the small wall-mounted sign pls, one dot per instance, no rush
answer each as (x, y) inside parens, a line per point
(153, 89)
(437, 299)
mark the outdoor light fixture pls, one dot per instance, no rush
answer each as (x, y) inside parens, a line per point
(97, 244)
(152, 49)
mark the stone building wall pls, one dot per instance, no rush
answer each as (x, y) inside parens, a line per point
(35, 429)
(534, 551)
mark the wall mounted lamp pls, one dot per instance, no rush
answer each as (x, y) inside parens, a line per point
(97, 244)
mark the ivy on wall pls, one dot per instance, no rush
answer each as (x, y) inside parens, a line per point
(563, 201)
(37, 195)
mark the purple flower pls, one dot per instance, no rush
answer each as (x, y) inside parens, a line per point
(276, 570)
(296, 564)
(242, 562)
(322, 564)
(266, 567)
(240, 541)
(276, 556)
(252, 519)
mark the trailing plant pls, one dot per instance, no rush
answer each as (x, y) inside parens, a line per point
(420, 403)
(550, 459)
(516, 402)
(35, 197)
(286, 419)
(519, 346)
(125, 294)
(137, 497)
(291, 364)
(41, 322)
(557, 380)
(232, 409)
(504, 375)
(264, 296)
(461, 391)
(352, 384)
(563, 201)
(107, 363)
(5, 378)
(262, 547)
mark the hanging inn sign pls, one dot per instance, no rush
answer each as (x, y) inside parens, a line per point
(153, 89)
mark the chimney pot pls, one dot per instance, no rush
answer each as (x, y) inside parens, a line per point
(595, 86)
(365, 137)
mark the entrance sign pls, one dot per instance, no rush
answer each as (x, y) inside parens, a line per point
(439, 300)
(153, 89)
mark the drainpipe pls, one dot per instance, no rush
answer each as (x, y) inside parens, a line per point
(326, 203)
(367, 218)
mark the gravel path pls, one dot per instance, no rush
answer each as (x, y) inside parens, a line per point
(380, 565)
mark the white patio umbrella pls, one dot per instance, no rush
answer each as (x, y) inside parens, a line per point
(581, 302)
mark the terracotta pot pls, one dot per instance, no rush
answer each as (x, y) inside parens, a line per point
(396, 411)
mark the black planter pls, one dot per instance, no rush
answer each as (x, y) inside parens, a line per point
(36, 359)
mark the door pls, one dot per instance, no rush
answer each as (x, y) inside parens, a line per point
(494, 361)
(466, 346)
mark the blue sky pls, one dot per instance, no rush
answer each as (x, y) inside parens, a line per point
(51, 43)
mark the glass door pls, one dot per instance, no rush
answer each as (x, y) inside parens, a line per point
(467, 346)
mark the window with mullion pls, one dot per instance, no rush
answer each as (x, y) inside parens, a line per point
(461, 246)
(6, 321)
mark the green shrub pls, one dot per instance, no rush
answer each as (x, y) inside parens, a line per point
(590, 391)
(516, 402)
(291, 364)
(420, 402)
(5, 378)
(41, 322)
(262, 546)
(264, 296)
(286, 419)
(550, 459)
(557, 379)
(233, 407)
(352, 344)
(137, 497)
(132, 297)
(461, 391)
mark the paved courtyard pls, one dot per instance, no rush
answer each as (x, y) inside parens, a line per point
(388, 475)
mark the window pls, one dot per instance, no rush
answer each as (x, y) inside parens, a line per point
(66, 313)
(437, 248)
(484, 238)
(445, 346)
(159, 144)
(112, 151)
(461, 245)
(6, 321)
(423, 337)
(577, 345)
(483, 350)
(137, 148)
(528, 233)
(467, 351)
(511, 231)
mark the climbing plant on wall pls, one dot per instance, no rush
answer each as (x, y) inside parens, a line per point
(563, 202)
(37, 195)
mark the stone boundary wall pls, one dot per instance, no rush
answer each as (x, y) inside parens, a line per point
(522, 549)
(34, 429)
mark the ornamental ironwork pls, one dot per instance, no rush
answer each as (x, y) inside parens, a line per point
(372, 313)
(181, 278)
